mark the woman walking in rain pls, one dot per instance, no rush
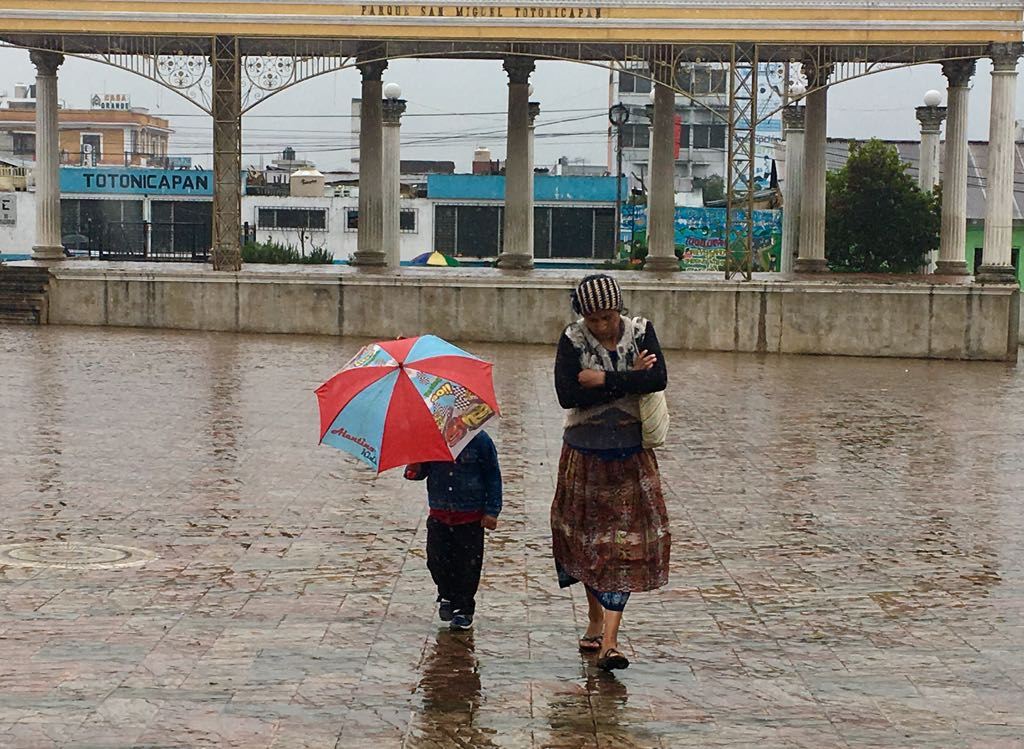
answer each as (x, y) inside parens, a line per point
(608, 522)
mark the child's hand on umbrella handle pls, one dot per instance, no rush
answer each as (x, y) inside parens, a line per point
(489, 522)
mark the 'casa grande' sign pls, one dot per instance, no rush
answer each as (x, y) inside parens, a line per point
(484, 11)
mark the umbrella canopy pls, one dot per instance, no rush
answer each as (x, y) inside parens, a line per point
(434, 258)
(406, 401)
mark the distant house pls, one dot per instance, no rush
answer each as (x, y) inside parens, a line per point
(111, 133)
(574, 217)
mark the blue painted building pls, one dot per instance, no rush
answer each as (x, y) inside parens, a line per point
(574, 217)
(128, 212)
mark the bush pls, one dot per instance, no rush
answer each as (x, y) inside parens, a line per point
(628, 256)
(269, 252)
(319, 256)
(622, 264)
(279, 254)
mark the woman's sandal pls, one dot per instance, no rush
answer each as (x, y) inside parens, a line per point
(591, 643)
(612, 659)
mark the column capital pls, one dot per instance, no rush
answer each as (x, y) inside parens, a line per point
(392, 111)
(931, 118)
(793, 118)
(959, 72)
(518, 69)
(1005, 56)
(46, 62)
(372, 70)
(533, 112)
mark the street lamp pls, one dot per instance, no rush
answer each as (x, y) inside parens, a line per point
(933, 98)
(392, 91)
(618, 115)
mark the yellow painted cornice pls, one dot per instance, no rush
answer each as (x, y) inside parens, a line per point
(793, 21)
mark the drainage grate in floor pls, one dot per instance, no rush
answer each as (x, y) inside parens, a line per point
(72, 555)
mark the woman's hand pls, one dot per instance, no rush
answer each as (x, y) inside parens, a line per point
(644, 361)
(591, 378)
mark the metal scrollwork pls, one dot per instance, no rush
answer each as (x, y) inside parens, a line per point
(266, 75)
(188, 75)
(269, 73)
(182, 71)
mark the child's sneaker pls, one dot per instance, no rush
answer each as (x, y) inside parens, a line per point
(461, 621)
(444, 611)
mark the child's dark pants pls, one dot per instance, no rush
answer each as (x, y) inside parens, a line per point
(455, 555)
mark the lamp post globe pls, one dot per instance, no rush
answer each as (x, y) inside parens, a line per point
(392, 91)
(933, 98)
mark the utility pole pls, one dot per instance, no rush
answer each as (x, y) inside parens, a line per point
(618, 115)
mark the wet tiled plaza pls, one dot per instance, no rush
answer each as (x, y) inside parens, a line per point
(848, 564)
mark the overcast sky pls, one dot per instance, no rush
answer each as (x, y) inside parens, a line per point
(454, 106)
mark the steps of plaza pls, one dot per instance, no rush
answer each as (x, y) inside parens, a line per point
(23, 295)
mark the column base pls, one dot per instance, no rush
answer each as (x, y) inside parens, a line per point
(368, 259)
(514, 261)
(950, 268)
(48, 253)
(810, 265)
(996, 274)
(660, 264)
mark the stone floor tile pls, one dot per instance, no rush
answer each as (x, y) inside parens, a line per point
(848, 560)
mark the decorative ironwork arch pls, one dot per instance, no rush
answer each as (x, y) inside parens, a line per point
(185, 68)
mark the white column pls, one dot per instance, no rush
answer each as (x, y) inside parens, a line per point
(661, 196)
(393, 109)
(792, 189)
(48, 241)
(953, 238)
(928, 174)
(811, 258)
(997, 264)
(517, 235)
(370, 232)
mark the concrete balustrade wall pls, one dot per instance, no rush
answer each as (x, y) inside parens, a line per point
(691, 311)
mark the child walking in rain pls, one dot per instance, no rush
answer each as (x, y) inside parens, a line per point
(464, 498)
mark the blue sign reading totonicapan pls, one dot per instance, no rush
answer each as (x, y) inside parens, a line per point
(112, 181)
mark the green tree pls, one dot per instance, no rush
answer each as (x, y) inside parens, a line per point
(714, 187)
(878, 219)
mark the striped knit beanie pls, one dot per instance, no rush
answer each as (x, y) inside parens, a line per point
(595, 293)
